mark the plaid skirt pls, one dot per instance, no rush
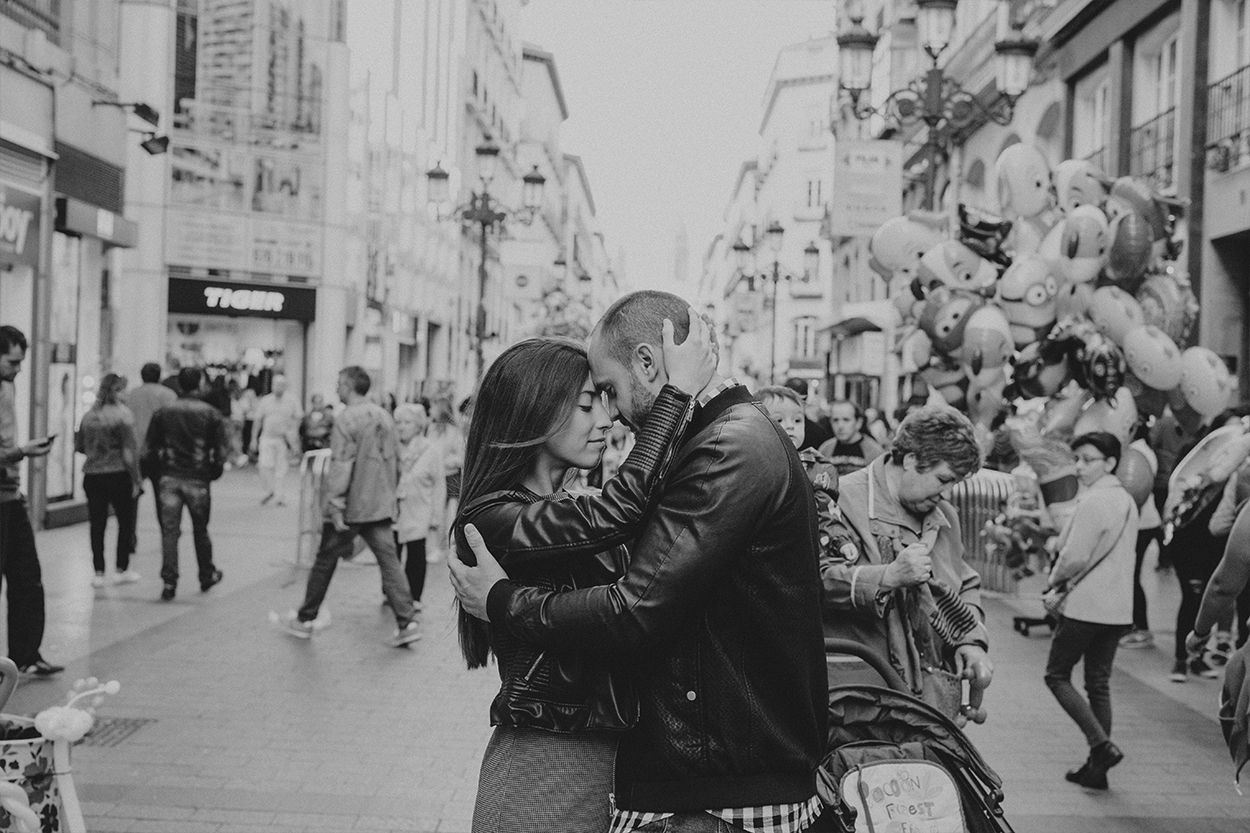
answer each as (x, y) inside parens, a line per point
(539, 782)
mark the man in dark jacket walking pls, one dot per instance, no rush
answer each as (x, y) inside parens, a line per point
(719, 610)
(186, 449)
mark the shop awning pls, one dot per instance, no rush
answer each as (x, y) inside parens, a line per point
(862, 317)
(78, 217)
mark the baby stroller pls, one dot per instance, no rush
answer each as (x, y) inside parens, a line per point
(893, 763)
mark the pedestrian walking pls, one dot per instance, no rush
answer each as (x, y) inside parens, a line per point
(721, 602)
(143, 402)
(186, 448)
(360, 501)
(421, 492)
(19, 560)
(276, 438)
(1091, 589)
(110, 476)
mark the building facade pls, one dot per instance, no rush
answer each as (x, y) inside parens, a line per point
(770, 312)
(1161, 90)
(63, 153)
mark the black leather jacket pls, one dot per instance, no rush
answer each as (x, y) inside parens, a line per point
(186, 438)
(564, 543)
(720, 608)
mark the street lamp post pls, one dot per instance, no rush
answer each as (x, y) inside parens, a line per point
(746, 264)
(936, 99)
(485, 212)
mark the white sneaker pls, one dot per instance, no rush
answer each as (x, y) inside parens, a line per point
(98, 581)
(291, 625)
(407, 634)
(126, 577)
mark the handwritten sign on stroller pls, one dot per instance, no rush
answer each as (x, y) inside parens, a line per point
(903, 796)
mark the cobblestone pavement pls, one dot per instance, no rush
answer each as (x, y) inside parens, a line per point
(251, 730)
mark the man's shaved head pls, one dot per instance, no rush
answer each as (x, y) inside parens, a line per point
(638, 318)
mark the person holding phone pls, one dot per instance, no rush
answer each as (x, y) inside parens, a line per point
(20, 563)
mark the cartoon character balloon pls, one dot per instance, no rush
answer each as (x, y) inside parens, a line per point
(1079, 182)
(1168, 304)
(1026, 295)
(1073, 299)
(1153, 357)
(945, 317)
(898, 244)
(1100, 367)
(1023, 181)
(987, 342)
(953, 264)
(984, 233)
(1115, 312)
(1206, 383)
(1084, 244)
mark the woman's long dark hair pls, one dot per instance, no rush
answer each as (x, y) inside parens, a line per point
(525, 397)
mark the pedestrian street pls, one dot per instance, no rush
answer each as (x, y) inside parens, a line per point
(225, 725)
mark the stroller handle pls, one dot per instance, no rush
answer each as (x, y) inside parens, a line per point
(868, 655)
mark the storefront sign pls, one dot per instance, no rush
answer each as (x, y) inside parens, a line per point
(19, 226)
(867, 186)
(255, 300)
(248, 242)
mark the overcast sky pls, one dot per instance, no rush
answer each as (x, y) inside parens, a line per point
(664, 102)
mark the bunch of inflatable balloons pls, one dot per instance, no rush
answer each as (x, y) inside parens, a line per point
(1073, 294)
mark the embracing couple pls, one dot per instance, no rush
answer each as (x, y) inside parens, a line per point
(659, 643)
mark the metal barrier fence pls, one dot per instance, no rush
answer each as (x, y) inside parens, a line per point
(312, 470)
(977, 500)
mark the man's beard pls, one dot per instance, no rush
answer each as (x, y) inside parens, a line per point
(641, 401)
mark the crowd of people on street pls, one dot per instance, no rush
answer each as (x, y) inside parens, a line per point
(658, 602)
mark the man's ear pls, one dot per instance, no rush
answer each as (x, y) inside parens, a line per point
(648, 362)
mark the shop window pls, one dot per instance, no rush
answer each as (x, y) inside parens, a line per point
(815, 198)
(804, 345)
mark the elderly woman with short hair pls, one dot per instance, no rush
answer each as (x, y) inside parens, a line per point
(902, 586)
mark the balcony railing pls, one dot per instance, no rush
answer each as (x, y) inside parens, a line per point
(36, 14)
(1152, 150)
(1228, 121)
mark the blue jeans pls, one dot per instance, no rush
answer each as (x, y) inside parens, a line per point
(1097, 643)
(173, 493)
(337, 544)
(690, 823)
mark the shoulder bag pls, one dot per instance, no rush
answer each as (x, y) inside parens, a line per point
(1056, 597)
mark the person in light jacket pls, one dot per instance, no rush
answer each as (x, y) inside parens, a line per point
(422, 493)
(359, 501)
(1096, 555)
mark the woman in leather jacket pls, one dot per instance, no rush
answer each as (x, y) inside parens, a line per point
(548, 765)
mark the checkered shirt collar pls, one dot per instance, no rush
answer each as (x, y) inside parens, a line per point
(711, 393)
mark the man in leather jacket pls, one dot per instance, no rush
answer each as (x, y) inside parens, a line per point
(718, 613)
(185, 450)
